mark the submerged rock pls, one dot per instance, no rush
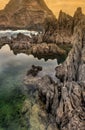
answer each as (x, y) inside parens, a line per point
(34, 71)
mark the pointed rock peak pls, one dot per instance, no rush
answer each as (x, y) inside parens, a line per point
(26, 14)
(14, 5)
(78, 12)
(63, 15)
(60, 12)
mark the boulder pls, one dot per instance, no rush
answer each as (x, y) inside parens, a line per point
(34, 71)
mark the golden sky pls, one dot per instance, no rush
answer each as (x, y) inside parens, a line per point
(68, 6)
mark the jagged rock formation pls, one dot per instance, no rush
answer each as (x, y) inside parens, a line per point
(65, 99)
(70, 112)
(79, 17)
(65, 22)
(31, 14)
(68, 23)
(34, 14)
(65, 26)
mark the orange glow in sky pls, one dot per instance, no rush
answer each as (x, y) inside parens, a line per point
(3, 3)
(68, 6)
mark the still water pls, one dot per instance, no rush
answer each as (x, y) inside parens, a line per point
(12, 72)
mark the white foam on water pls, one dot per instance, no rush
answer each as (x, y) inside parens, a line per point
(9, 33)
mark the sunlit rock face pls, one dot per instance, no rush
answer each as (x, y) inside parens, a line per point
(25, 14)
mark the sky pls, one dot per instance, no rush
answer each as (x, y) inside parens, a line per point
(68, 6)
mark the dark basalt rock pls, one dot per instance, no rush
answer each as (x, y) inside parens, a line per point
(34, 70)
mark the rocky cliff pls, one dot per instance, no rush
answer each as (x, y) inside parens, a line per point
(31, 14)
(34, 14)
(65, 98)
(64, 27)
(68, 23)
(79, 17)
(65, 22)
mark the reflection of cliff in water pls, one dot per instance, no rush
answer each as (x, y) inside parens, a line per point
(14, 104)
(32, 42)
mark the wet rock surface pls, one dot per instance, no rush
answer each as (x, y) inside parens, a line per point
(34, 71)
(65, 98)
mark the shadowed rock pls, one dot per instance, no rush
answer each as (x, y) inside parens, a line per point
(34, 71)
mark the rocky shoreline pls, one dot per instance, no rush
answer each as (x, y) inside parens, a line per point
(65, 98)
(54, 38)
(35, 46)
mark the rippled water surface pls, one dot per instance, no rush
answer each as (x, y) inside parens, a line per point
(12, 72)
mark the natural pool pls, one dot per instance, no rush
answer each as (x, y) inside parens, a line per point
(12, 72)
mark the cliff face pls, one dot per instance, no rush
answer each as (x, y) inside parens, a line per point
(65, 22)
(25, 14)
(79, 17)
(65, 99)
(68, 23)
(70, 112)
(35, 15)
(65, 27)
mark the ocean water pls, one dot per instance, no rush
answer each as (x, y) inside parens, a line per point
(13, 69)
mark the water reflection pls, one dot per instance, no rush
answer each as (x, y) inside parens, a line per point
(12, 71)
(8, 59)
